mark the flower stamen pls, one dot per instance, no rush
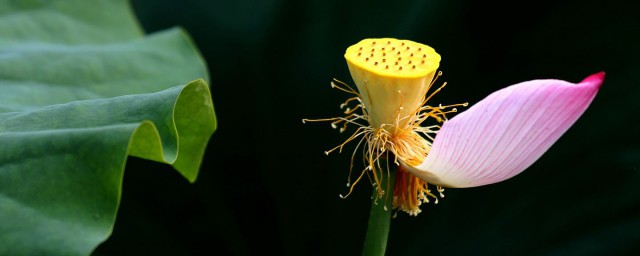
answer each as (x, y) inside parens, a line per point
(410, 143)
(389, 125)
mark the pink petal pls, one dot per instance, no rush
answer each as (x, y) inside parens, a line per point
(506, 132)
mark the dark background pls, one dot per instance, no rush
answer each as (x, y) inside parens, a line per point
(266, 187)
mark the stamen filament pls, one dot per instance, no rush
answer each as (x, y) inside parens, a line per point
(409, 143)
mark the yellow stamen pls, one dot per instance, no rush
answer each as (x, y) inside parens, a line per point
(388, 110)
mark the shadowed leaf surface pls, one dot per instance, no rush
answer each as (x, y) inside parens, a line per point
(81, 89)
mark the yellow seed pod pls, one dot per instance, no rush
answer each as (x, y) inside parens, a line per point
(392, 77)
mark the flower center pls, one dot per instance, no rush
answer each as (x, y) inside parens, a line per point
(388, 108)
(392, 77)
(409, 143)
(393, 57)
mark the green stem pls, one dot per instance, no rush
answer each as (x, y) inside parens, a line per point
(375, 242)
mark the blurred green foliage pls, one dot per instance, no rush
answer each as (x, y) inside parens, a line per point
(81, 88)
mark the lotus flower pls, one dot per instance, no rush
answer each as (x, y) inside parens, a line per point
(493, 140)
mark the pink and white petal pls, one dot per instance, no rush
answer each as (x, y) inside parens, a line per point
(506, 132)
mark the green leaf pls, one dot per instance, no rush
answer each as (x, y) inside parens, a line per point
(81, 88)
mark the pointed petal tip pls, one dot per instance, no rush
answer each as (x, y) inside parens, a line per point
(503, 134)
(595, 79)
